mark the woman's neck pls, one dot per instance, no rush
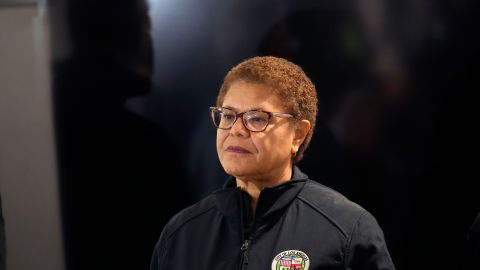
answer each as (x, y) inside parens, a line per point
(253, 186)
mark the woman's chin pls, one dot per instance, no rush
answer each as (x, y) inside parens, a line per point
(238, 170)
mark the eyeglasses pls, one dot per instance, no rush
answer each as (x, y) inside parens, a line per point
(255, 120)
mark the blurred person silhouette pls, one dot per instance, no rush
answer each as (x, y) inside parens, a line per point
(116, 168)
(269, 215)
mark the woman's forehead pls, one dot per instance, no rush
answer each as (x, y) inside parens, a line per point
(251, 96)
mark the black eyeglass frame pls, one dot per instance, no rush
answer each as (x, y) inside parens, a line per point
(237, 115)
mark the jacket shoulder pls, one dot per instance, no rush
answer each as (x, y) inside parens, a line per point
(188, 214)
(332, 205)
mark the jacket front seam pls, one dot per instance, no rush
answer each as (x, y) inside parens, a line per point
(348, 246)
(330, 219)
(188, 220)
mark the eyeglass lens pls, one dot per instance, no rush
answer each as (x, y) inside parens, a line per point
(253, 120)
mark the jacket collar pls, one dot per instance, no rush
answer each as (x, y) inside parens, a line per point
(272, 199)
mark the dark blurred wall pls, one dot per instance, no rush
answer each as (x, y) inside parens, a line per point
(120, 174)
(394, 128)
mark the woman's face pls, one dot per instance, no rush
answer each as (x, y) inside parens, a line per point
(259, 156)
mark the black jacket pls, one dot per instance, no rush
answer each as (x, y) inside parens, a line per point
(299, 224)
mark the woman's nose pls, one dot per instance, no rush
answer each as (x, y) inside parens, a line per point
(239, 129)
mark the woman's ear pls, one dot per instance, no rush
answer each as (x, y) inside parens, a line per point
(301, 130)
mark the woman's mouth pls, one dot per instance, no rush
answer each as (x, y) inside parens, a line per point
(237, 149)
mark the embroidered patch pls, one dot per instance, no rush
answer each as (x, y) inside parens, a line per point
(291, 260)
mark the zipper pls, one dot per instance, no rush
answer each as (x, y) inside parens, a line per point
(247, 242)
(248, 235)
(244, 249)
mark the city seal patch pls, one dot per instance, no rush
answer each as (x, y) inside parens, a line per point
(291, 260)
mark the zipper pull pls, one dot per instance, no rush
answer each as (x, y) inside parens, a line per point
(244, 249)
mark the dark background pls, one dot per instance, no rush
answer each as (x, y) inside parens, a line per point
(394, 133)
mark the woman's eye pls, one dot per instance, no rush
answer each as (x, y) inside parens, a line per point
(228, 117)
(257, 119)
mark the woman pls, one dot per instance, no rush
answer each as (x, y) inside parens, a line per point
(269, 215)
